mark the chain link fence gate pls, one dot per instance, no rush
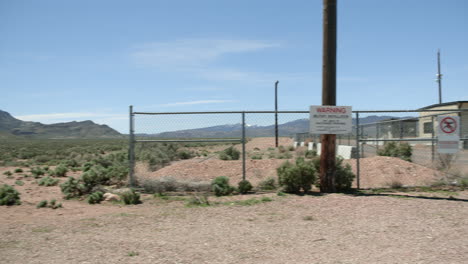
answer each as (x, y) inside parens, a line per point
(253, 134)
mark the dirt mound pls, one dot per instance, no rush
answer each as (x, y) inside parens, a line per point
(374, 172)
(381, 171)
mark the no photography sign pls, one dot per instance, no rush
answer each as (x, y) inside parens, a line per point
(448, 134)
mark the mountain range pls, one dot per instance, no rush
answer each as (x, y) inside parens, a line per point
(11, 127)
(235, 130)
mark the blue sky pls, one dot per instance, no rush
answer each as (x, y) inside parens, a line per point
(89, 60)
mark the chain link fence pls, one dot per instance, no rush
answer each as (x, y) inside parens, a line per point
(191, 146)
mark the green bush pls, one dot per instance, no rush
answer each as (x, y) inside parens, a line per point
(244, 187)
(7, 173)
(185, 154)
(19, 183)
(52, 204)
(392, 149)
(60, 171)
(344, 176)
(9, 196)
(309, 154)
(37, 172)
(257, 157)
(294, 177)
(130, 197)
(220, 186)
(42, 204)
(72, 188)
(230, 154)
(18, 170)
(48, 181)
(267, 184)
(95, 197)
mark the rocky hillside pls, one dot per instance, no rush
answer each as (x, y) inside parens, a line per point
(12, 127)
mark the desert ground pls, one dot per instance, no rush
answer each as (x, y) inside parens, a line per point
(373, 226)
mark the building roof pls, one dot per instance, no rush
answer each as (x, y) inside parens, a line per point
(442, 104)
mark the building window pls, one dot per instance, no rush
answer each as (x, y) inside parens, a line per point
(428, 127)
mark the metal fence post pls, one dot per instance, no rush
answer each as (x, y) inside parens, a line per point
(131, 152)
(432, 139)
(243, 146)
(357, 152)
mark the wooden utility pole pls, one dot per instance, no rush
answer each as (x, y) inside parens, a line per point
(327, 158)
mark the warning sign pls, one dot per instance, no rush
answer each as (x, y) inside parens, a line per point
(448, 134)
(325, 119)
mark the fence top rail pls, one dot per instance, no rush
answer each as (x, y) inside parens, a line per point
(297, 112)
(188, 140)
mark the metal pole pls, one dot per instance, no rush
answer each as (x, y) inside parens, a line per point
(243, 146)
(276, 113)
(432, 142)
(132, 150)
(439, 77)
(327, 157)
(377, 136)
(357, 152)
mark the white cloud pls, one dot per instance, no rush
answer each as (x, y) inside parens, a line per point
(189, 53)
(197, 102)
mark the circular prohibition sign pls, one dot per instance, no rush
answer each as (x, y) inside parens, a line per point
(448, 125)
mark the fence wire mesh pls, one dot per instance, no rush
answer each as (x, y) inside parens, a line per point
(188, 150)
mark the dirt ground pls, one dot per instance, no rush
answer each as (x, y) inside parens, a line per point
(411, 227)
(335, 228)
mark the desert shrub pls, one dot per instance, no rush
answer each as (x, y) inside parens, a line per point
(130, 197)
(60, 171)
(95, 177)
(294, 177)
(230, 154)
(309, 154)
(197, 200)
(37, 172)
(267, 184)
(18, 170)
(72, 188)
(257, 157)
(72, 163)
(9, 196)
(392, 149)
(282, 149)
(42, 204)
(291, 148)
(344, 176)
(7, 173)
(285, 155)
(220, 186)
(244, 186)
(463, 182)
(19, 183)
(42, 159)
(52, 204)
(48, 181)
(95, 197)
(185, 154)
(169, 184)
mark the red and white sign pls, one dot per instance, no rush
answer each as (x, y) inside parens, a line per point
(448, 134)
(326, 119)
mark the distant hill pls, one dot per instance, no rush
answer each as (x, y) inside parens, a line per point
(12, 127)
(235, 130)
